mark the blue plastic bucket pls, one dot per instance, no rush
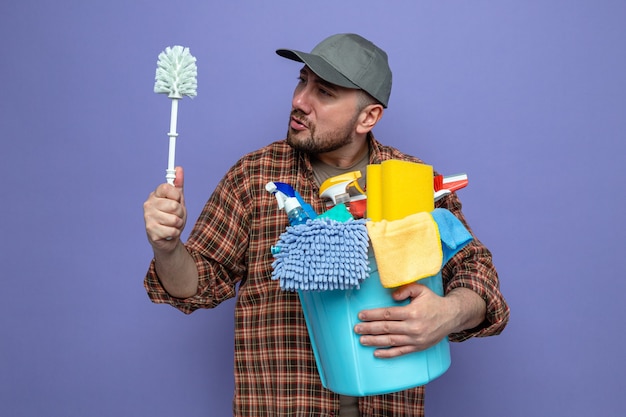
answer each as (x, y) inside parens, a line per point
(349, 368)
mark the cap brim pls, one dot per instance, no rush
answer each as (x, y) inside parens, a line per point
(319, 66)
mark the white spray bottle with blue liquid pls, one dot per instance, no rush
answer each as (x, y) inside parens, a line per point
(287, 199)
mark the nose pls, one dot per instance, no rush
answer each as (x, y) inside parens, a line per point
(301, 99)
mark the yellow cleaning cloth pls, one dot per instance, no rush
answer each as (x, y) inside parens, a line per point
(406, 250)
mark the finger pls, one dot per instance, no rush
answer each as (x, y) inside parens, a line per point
(170, 192)
(380, 328)
(156, 220)
(383, 314)
(156, 206)
(163, 217)
(179, 181)
(393, 352)
(163, 227)
(391, 345)
(167, 217)
(387, 340)
(413, 290)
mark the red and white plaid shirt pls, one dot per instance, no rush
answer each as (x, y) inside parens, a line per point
(275, 371)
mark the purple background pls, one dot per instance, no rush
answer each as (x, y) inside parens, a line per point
(527, 97)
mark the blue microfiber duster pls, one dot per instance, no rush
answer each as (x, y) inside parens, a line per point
(323, 254)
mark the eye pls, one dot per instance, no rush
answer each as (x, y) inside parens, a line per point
(324, 92)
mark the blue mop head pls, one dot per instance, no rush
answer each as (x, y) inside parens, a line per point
(322, 255)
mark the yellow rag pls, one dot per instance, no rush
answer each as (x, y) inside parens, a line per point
(406, 250)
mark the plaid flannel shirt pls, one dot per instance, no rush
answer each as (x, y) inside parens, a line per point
(275, 371)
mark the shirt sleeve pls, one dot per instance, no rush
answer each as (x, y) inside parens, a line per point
(473, 268)
(218, 244)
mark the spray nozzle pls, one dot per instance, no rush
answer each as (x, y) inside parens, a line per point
(283, 193)
(336, 188)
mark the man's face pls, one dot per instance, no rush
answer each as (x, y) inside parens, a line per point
(323, 115)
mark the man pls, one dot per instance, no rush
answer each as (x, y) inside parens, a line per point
(342, 91)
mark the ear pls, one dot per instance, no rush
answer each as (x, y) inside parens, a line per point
(368, 118)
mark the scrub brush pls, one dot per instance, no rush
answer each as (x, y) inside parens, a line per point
(175, 76)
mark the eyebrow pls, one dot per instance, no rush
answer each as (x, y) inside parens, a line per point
(319, 80)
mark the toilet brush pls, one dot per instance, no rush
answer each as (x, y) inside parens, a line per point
(175, 76)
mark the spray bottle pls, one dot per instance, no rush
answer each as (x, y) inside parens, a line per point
(336, 189)
(288, 200)
(298, 212)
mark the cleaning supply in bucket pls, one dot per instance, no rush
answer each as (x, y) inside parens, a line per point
(288, 200)
(345, 189)
(417, 246)
(445, 185)
(325, 253)
(398, 188)
(336, 188)
(395, 189)
(407, 249)
(322, 255)
(345, 366)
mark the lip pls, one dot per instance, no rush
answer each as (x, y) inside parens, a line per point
(297, 124)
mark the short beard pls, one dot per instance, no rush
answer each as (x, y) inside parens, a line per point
(328, 142)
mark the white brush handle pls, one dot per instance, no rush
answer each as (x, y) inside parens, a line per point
(171, 158)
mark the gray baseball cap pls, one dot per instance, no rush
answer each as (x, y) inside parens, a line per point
(348, 60)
